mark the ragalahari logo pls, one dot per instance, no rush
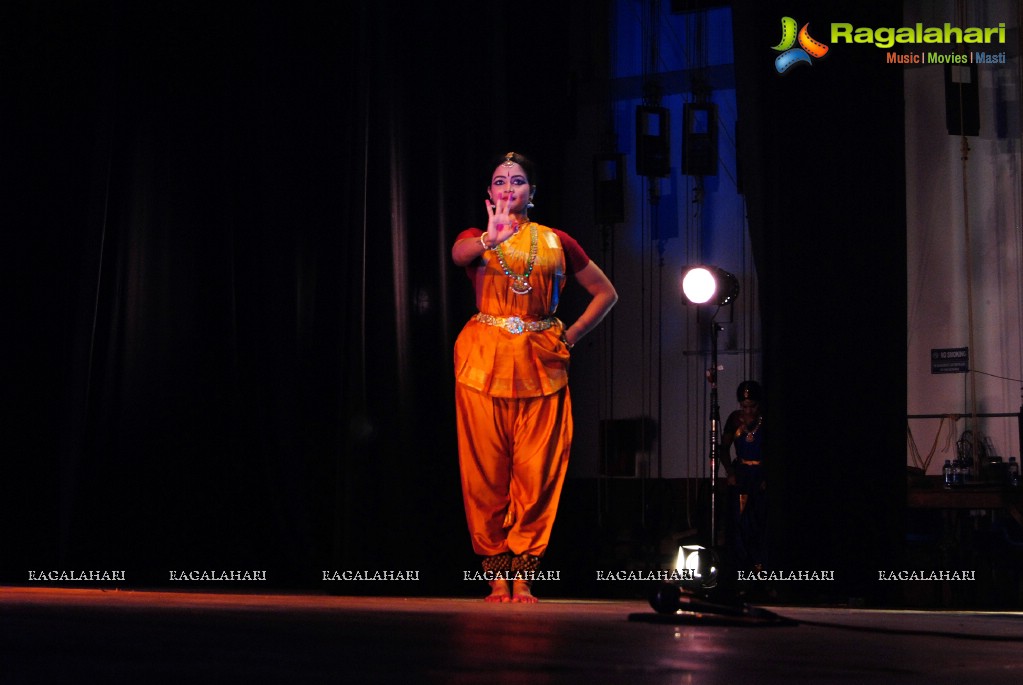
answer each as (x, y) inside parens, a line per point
(791, 55)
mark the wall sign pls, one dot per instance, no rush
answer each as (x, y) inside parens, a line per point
(950, 360)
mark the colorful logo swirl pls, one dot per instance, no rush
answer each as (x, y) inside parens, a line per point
(808, 49)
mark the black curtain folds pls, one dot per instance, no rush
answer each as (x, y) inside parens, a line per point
(823, 159)
(206, 265)
(231, 297)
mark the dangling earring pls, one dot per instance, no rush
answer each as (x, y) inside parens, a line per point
(530, 205)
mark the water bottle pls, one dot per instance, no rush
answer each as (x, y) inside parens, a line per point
(1012, 473)
(957, 473)
(946, 473)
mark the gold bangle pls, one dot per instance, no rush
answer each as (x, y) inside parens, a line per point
(484, 242)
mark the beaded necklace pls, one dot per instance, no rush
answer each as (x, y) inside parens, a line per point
(520, 282)
(751, 433)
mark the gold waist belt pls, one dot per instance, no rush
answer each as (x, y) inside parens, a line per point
(747, 462)
(514, 324)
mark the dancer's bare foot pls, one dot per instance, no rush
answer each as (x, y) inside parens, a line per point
(521, 593)
(499, 592)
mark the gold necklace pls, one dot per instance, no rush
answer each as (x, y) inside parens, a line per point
(749, 433)
(520, 282)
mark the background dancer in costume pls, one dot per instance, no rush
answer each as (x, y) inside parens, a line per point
(747, 479)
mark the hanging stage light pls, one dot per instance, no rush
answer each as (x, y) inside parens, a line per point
(709, 285)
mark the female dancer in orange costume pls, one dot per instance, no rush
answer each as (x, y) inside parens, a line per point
(513, 407)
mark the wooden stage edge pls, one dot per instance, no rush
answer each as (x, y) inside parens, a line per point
(28, 597)
(296, 602)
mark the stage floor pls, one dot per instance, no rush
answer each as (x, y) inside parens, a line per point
(90, 636)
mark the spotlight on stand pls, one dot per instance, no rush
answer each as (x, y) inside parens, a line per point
(687, 600)
(709, 285)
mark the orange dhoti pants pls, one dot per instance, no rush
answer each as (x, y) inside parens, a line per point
(513, 454)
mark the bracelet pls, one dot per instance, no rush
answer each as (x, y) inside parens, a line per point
(484, 242)
(564, 339)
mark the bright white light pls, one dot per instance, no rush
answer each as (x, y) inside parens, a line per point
(694, 561)
(688, 561)
(699, 285)
(697, 566)
(680, 560)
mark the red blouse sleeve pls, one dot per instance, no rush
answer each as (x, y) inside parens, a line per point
(469, 233)
(576, 258)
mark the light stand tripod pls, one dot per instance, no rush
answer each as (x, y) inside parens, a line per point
(704, 561)
(715, 430)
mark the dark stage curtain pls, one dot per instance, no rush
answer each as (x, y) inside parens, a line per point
(822, 154)
(232, 302)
